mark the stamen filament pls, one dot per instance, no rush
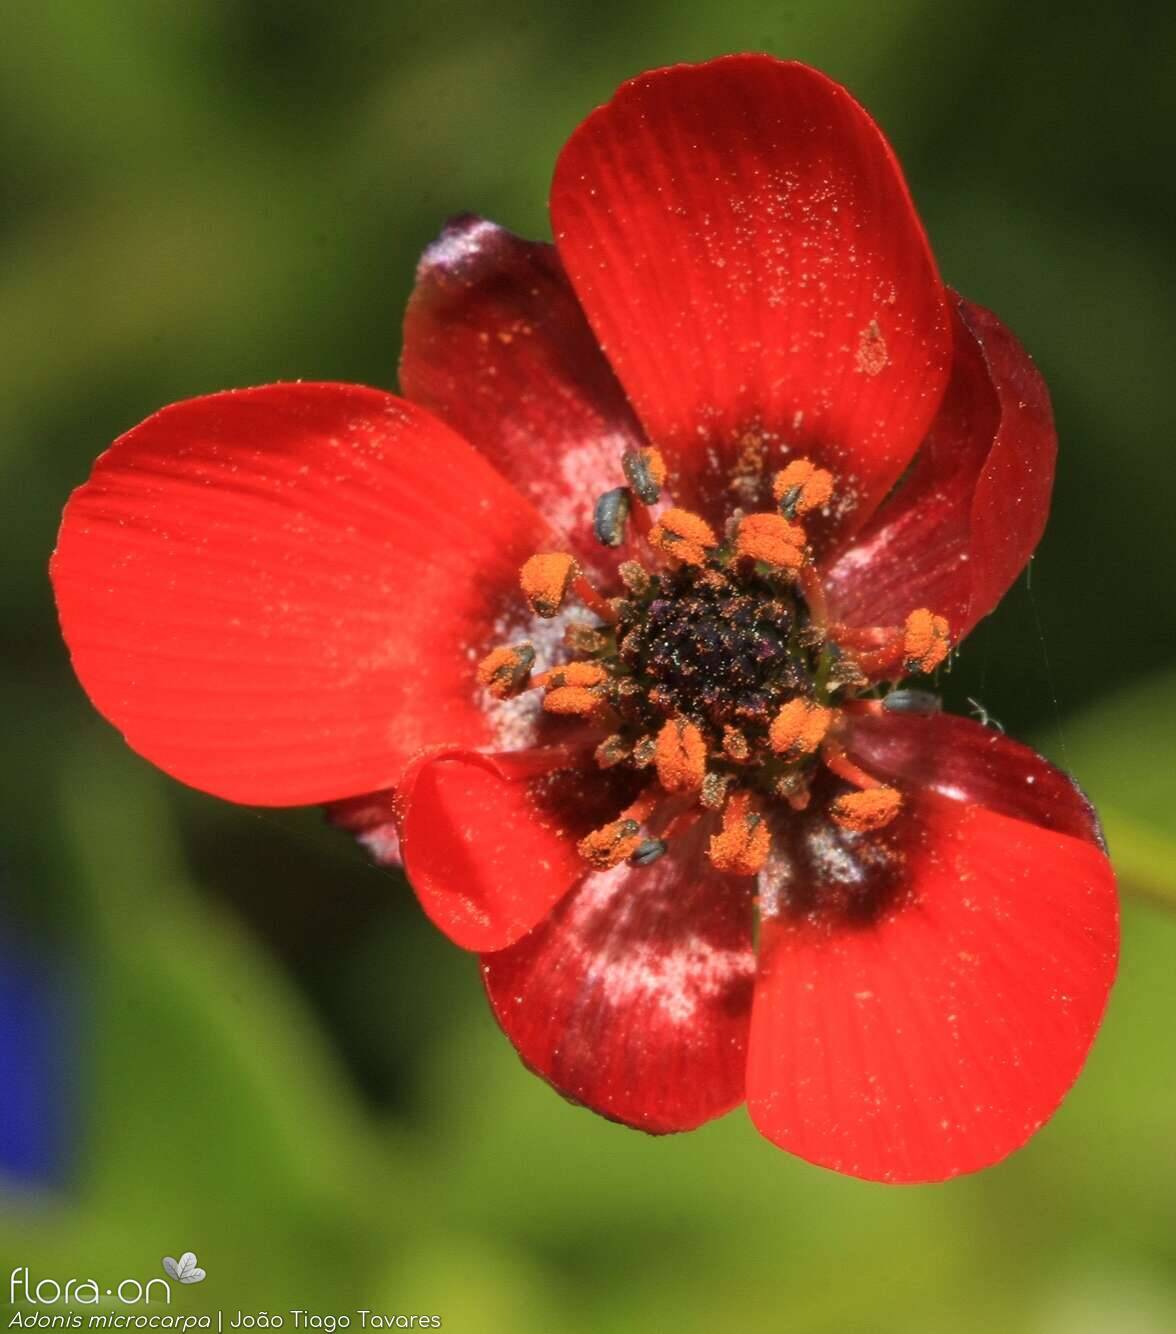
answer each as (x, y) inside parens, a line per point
(593, 600)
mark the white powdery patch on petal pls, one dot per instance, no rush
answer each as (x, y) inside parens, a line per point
(515, 722)
(676, 970)
(457, 244)
(835, 852)
(586, 470)
(382, 845)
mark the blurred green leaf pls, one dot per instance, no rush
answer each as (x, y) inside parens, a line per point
(1121, 751)
(215, 1116)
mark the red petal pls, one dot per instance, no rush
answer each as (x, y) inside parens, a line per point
(927, 1004)
(497, 346)
(965, 522)
(633, 997)
(744, 244)
(274, 593)
(960, 759)
(489, 841)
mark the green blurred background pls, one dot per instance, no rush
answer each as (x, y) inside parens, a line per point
(223, 1031)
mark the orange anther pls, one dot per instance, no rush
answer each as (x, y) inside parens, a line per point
(864, 811)
(573, 701)
(680, 756)
(741, 847)
(801, 487)
(772, 539)
(504, 671)
(799, 728)
(610, 845)
(545, 580)
(683, 535)
(574, 674)
(926, 641)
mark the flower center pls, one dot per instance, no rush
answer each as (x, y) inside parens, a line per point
(717, 669)
(715, 643)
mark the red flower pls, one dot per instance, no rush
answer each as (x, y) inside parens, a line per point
(706, 849)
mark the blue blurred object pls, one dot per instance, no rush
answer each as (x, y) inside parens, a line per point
(35, 1045)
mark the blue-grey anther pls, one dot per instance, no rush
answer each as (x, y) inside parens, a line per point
(921, 702)
(610, 516)
(648, 851)
(640, 467)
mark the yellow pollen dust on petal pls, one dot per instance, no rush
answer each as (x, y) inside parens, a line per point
(926, 640)
(684, 535)
(680, 756)
(771, 538)
(799, 728)
(610, 845)
(865, 811)
(505, 671)
(742, 844)
(545, 580)
(805, 486)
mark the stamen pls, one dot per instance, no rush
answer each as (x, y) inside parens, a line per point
(573, 702)
(910, 701)
(581, 637)
(612, 750)
(610, 516)
(684, 535)
(680, 756)
(714, 790)
(814, 594)
(772, 539)
(799, 728)
(920, 645)
(620, 839)
(847, 672)
(506, 671)
(611, 845)
(873, 807)
(839, 763)
(573, 689)
(634, 576)
(926, 640)
(742, 845)
(801, 487)
(545, 580)
(865, 811)
(649, 850)
(735, 745)
(593, 600)
(645, 471)
(573, 674)
(644, 751)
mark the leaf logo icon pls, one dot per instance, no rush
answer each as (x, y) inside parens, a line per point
(185, 1269)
